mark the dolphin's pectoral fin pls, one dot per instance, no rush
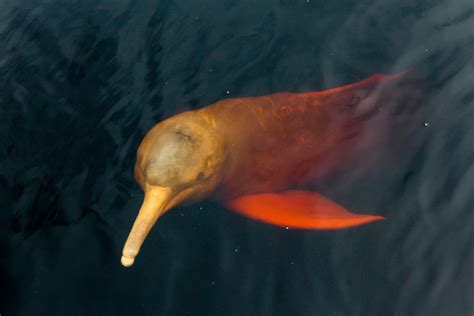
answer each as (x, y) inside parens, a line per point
(298, 209)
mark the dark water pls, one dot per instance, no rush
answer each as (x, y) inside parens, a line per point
(83, 81)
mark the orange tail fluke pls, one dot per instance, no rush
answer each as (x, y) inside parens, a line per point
(298, 209)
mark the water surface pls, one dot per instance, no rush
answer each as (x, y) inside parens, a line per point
(83, 81)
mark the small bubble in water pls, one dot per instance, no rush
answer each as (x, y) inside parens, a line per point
(236, 250)
(200, 208)
(227, 92)
(426, 124)
(286, 227)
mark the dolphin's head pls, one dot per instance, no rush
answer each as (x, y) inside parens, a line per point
(179, 161)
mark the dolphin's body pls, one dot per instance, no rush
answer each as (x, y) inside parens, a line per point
(246, 152)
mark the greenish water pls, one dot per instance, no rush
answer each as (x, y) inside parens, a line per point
(81, 82)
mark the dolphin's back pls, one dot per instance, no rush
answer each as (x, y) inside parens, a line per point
(283, 140)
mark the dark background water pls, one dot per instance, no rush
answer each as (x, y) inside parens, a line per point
(83, 81)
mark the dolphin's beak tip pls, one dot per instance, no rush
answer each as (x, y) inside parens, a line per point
(154, 204)
(127, 261)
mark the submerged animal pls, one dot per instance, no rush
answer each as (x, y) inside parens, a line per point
(251, 154)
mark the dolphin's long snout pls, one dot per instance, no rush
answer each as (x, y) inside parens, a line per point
(154, 204)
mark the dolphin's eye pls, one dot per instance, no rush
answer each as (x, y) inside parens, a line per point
(200, 176)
